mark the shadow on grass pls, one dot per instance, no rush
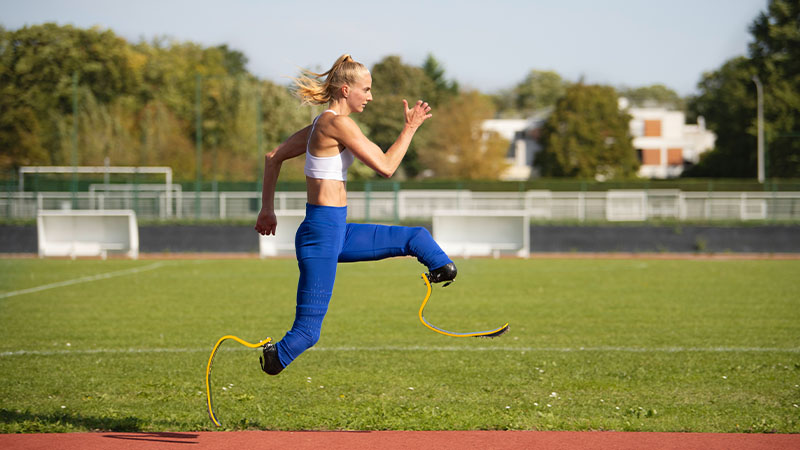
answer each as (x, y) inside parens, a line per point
(169, 438)
(28, 422)
(15, 421)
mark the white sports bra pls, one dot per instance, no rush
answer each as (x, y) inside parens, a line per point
(327, 167)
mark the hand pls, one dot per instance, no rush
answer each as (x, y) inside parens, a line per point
(266, 222)
(418, 114)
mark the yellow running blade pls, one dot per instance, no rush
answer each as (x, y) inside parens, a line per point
(488, 333)
(211, 361)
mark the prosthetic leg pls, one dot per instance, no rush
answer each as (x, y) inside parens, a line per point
(210, 403)
(489, 333)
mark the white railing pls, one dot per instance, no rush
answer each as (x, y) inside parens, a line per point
(394, 206)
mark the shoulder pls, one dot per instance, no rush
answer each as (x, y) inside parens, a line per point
(342, 124)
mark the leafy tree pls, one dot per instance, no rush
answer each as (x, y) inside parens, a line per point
(393, 81)
(728, 103)
(234, 61)
(654, 95)
(775, 52)
(459, 147)
(37, 64)
(728, 100)
(539, 90)
(137, 103)
(587, 136)
(443, 89)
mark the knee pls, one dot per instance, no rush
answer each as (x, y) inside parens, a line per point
(416, 238)
(420, 232)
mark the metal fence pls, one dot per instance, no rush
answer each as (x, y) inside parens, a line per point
(399, 205)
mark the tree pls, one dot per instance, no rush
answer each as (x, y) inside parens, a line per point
(587, 136)
(443, 89)
(37, 64)
(654, 95)
(393, 81)
(728, 104)
(775, 52)
(136, 103)
(459, 147)
(539, 90)
(728, 99)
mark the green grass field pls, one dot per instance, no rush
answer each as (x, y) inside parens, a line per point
(649, 345)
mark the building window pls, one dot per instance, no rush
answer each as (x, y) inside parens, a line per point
(652, 128)
(651, 157)
(637, 128)
(675, 156)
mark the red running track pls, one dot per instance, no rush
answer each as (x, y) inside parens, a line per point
(440, 440)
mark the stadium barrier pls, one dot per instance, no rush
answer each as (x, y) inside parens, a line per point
(282, 244)
(626, 206)
(397, 206)
(87, 233)
(482, 233)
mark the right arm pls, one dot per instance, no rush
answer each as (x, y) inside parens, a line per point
(290, 148)
(348, 133)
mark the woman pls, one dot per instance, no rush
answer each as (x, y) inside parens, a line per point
(324, 238)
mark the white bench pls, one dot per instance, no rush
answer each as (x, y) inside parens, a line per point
(282, 244)
(469, 233)
(76, 233)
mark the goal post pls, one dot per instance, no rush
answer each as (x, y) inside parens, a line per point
(104, 170)
(482, 232)
(87, 233)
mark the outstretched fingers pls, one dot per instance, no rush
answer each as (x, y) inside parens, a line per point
(418, 114)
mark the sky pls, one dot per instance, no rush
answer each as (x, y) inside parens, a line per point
(484, 45)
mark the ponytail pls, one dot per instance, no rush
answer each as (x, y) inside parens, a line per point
(312, 90)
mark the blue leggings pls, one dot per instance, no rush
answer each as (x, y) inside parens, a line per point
(325, 239)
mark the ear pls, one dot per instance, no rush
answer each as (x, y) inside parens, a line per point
(345, 91)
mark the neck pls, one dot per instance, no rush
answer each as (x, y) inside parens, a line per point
(340, 106)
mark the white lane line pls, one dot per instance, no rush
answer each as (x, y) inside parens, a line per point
(85, 279)
(417, 348)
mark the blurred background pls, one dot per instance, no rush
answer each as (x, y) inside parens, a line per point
(666, 117)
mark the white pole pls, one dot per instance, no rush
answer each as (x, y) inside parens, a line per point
(169, 192)
(760, 94)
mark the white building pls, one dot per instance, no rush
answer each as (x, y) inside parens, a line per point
(523, 134)
(664, 142)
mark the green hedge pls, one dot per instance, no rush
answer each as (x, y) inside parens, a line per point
(63, 183)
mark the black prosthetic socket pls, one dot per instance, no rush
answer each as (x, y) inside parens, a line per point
(269, 361)
(446, 273)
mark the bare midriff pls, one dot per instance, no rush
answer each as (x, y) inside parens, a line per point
(326, 192)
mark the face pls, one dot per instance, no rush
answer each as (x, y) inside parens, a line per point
(360, 93)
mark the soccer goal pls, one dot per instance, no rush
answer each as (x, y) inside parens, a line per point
(77, 233)
(168, 188)
(282, 244)
(482, 232)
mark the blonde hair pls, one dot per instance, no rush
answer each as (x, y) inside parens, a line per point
(312, 90)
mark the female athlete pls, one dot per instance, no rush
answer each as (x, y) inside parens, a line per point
(330, 144)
